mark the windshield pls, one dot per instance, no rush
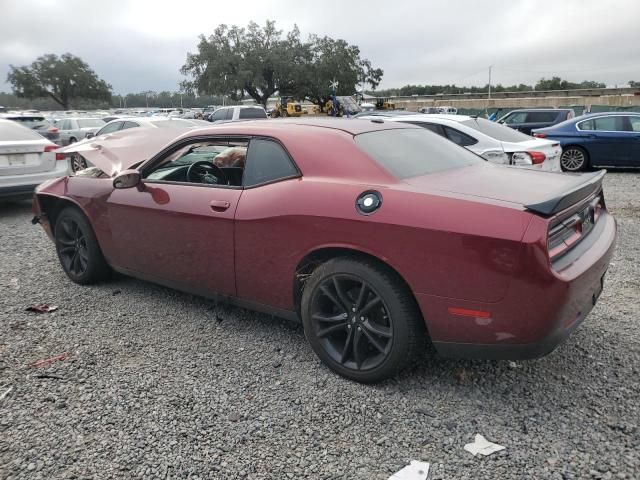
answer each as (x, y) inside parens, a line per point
(495, 130)
(90, 123)
(412, 152)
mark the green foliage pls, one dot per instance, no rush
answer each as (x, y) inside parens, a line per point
(556, 83)
(260, 61)
(63, 79)
(335, 60)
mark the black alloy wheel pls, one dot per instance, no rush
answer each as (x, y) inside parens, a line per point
(78, 249)
(72, 246)
(352, 322)
(360, 319)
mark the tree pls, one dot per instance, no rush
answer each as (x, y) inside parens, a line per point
(63, 79)
(634, 84)
(335, 60)
(254, 61)
(260, 61)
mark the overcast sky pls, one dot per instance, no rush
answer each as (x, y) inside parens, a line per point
(138, 45)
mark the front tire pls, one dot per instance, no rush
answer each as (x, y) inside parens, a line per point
(78, 249)
(361, 320)
(78, 162)
(574, 159)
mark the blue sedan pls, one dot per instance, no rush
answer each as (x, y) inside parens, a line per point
(597, 140)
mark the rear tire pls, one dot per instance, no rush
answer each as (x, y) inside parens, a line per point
(78, 250)
(574, 159)
(361, 320)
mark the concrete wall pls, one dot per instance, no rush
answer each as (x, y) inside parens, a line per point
(612, 97)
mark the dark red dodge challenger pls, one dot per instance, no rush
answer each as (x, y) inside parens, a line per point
(374, 234)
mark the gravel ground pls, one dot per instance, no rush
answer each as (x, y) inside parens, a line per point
(160, 384)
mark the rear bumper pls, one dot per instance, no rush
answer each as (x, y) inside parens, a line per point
(542, 307)
(20, 186)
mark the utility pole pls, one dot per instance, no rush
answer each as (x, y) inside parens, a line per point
(490, 67)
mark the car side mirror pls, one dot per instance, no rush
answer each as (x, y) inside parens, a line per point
(127, 179)
(90, 135)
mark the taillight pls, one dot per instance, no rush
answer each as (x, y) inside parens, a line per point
(53, 129)
(537, 157)
(528, 158)
(571, 230)
(52, 148)
(540, 135)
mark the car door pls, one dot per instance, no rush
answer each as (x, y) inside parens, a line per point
(634, 129)
(606, 140)
(264, 223)
(176, 233)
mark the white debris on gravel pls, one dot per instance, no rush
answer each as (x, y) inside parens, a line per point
(416, 470)
(167, 385)
(482, 446)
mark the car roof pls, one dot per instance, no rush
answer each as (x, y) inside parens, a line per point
(540, 110)
(600, 114)
(433, 116)
(281, 126)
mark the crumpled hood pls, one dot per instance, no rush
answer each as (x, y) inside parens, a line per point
(118, 151)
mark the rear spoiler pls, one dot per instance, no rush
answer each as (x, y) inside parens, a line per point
(582, 187)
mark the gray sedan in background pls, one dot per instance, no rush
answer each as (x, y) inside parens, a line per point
(74, 129)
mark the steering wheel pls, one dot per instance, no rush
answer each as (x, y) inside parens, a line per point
(206, 172)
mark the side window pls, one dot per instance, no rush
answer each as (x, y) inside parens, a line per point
(603, 124)
(541, 117)
(112, 127)
(220, 114)
(459, 138)
(635, 124)
(266, 161)
(129, 125)
(63, 124)
(229, 114)
(518, 117)
(609, 124)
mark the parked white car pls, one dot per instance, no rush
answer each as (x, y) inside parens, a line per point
(492, 141)
(238, 112)
(26, 160)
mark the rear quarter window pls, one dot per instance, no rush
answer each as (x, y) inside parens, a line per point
(252, 113)
(410, 152)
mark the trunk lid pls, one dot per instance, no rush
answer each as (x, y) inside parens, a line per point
(25, 156)
(542, 192)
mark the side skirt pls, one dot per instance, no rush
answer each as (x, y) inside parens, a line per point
(217, 297)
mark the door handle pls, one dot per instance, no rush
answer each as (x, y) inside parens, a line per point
(592, 136)
(219, 205)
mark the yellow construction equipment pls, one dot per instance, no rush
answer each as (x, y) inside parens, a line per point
(287, 107)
